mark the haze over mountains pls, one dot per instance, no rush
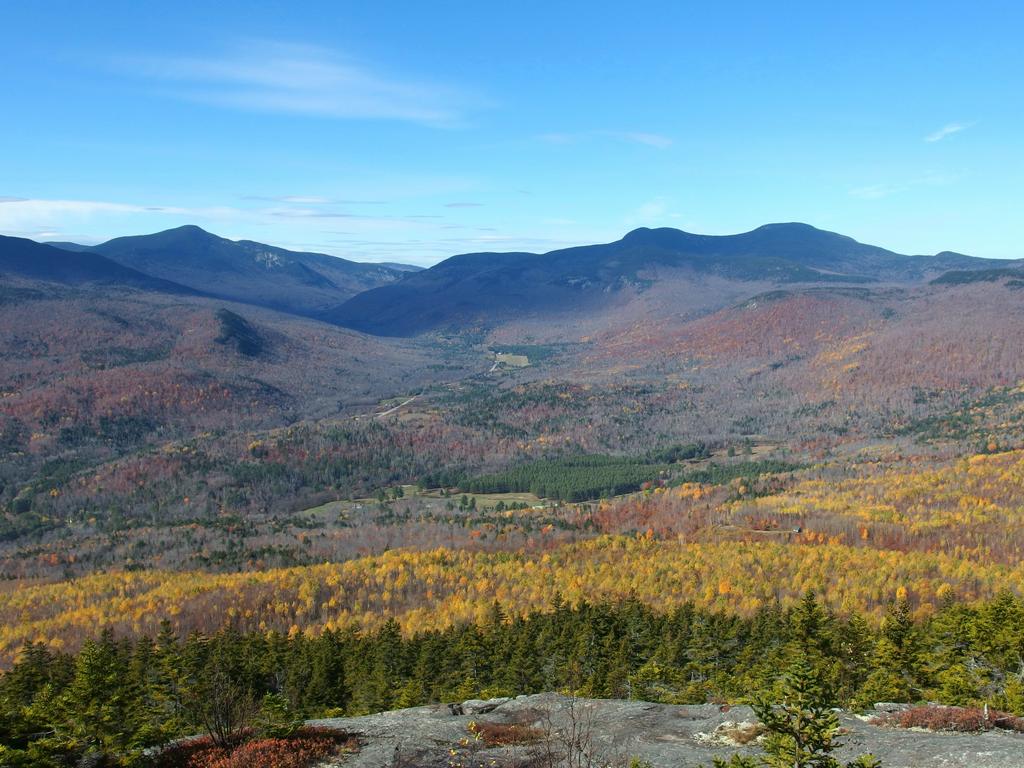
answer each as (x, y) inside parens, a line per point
(24, 258)
(490, 287)
(483, 289)
(246, 271)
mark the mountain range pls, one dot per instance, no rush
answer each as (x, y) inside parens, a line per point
(24, 258)
(180, 376)
(490, 287)
(290, 281)
(483, 290)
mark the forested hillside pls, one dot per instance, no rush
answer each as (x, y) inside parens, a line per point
(120, 695)
(203, 495)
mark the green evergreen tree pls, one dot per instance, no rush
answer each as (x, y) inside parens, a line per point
(99, 711)
(801, 731)
(895, 665)
(326, 687)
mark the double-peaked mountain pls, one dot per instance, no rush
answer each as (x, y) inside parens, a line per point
(485, 288)
(30, 260)
(245, 271)
(647, 276)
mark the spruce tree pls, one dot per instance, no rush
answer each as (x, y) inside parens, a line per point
(100, 712)
(801, 730)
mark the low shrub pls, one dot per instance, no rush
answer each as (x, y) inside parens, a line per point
(965, 719)
(741, 733)
(300, 750)
(505, 734)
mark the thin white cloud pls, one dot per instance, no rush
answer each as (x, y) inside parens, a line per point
(412, 237)
(650, 213)
(305, 80)
(946, 130)
(309, 200)
(463, 205)
(303, 200)
(22, 214)
(16, 209)
(878, 191)
(558, 138)
(56, 216)
(874, 191)
(655, 140)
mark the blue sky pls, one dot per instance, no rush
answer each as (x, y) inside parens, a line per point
(410, 131)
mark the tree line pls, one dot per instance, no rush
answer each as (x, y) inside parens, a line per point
(584, 477)
(118, 696)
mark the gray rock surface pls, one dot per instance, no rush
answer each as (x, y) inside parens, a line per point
(612, 732)
(480, 707)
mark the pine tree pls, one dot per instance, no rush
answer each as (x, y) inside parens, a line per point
(168, 680)
(24, 694)
(99, 711)
(801, 730)
(812, 643)
(523, 672)
(887, 680)
(326, 688)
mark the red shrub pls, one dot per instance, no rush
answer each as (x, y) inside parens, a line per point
(303, 749)
(505, 734)
(966, 719)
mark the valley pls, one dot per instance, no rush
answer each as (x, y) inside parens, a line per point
(531, 385)
(152, 430)
(726, 438)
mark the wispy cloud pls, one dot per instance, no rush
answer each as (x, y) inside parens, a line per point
(305, 80)
(21, 207)
(875, 191)
(421, 238)
(559, 138)
(426, 252)
(309, 200)
(32, 214)
(463, 205)
(656, 140)
(947, 130)
(650, 212)
(878, 191)
(304, 200)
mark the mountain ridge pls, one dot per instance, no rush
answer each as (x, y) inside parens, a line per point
(20, 257)
(482, 290)
(297, 282)
(301, 283)
(488, 287)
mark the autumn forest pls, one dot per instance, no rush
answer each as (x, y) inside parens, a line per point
(222, 518)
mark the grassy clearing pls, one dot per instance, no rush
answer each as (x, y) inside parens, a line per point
(515, 361)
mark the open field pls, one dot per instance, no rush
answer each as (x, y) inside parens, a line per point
(515, 361)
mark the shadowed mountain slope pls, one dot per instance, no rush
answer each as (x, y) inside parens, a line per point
(246, 271)
(34, 261)
(485, 288)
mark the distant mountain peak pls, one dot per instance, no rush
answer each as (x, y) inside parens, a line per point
(246, 271)
(678, 238)
(38, 261)
(789, 226)
(189, 232)
(487, 288)
(654, 234)
(191, 229)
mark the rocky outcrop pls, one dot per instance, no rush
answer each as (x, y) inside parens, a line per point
(541, 730)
